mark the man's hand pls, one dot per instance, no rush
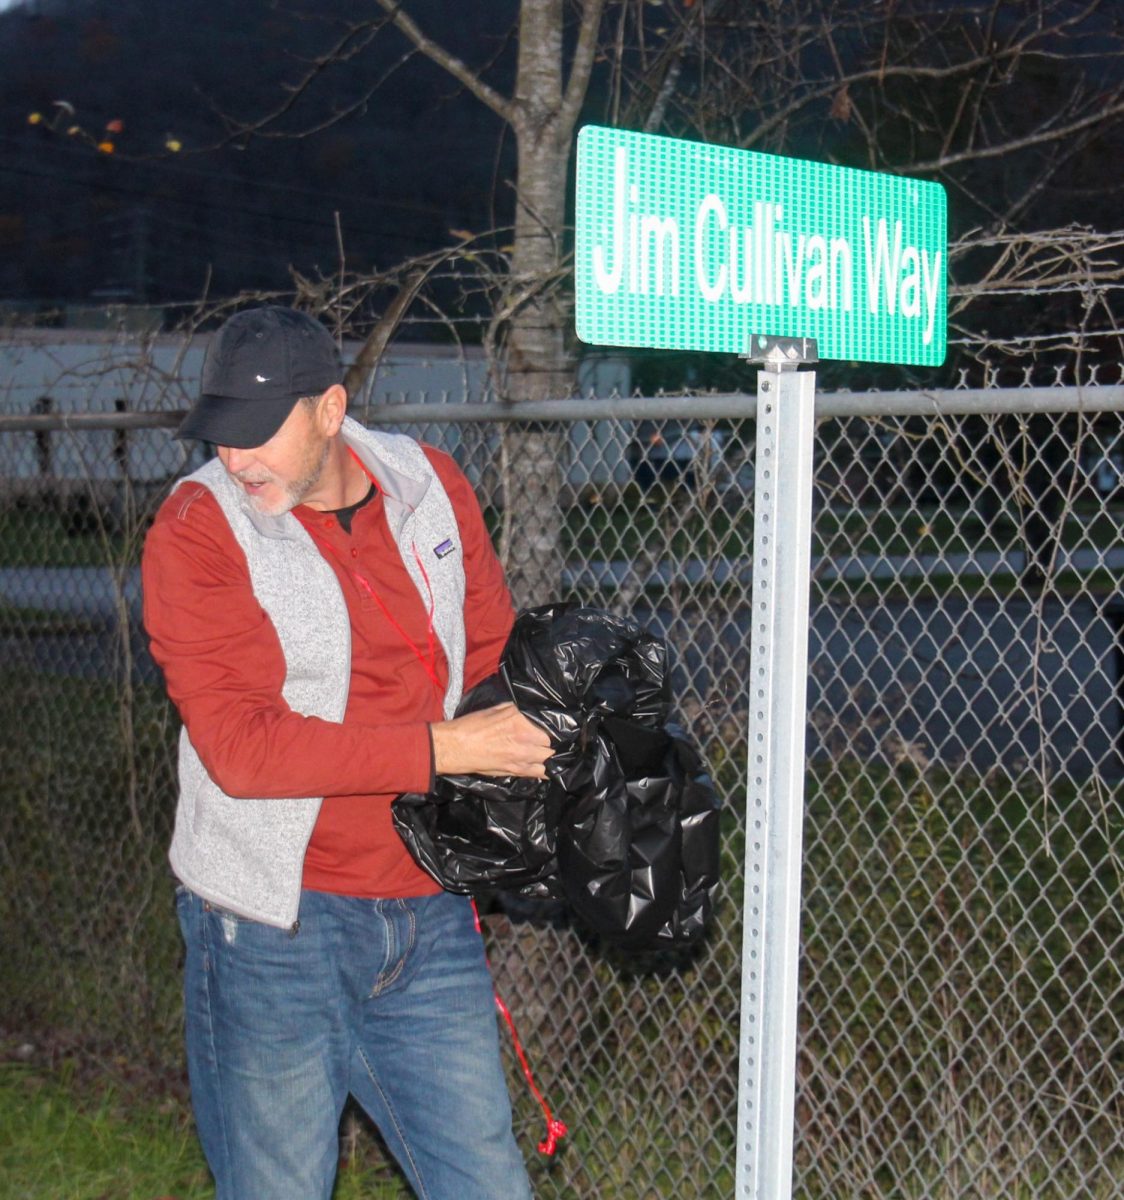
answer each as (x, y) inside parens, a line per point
(493, 741)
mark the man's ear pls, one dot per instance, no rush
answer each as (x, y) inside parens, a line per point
(332, 409)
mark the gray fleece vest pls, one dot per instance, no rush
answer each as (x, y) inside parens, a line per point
(248, 855)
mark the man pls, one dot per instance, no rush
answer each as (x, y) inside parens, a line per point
(318, 596)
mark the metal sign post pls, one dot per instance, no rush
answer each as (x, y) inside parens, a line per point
(782, 532)
(684, 246)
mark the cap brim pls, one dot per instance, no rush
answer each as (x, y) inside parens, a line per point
(242, 424)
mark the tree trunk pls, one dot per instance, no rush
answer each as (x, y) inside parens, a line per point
(536, 364)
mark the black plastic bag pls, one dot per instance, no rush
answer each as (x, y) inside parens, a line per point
(625, 827)
(638, 853)
(473, 833)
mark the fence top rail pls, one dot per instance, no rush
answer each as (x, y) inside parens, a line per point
(709, 406)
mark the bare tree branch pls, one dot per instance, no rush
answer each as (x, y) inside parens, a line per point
(379, 337)
(1038, 138)
(352, 42)
(449, 62)
(581, 65)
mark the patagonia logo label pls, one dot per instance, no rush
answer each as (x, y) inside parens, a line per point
(445, 547)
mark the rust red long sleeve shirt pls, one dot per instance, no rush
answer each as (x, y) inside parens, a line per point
(224, 671)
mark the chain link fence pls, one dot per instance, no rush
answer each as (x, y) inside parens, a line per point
(962, 1000)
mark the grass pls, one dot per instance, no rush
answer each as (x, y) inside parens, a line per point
(960, 972)
(55, 1146)
(38, 622)
(62, 1139)
(84, 827)
(679, 522)
(1064, 585)
(68, 534)
(682, 526)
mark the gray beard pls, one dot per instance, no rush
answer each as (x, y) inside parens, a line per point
(296, 491)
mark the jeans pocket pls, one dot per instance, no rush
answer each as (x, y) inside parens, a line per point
(229, 922)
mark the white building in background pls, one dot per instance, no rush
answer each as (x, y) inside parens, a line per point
(61, 371)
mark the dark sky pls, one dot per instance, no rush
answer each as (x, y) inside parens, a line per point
(417, 159)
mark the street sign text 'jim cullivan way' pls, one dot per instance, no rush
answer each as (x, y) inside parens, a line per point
(682, 245)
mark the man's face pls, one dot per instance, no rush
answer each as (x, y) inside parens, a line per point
(286, 470)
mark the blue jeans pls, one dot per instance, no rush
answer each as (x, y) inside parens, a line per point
(390, 1000)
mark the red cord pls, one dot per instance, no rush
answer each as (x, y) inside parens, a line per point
(555, 1130)
(427, 658)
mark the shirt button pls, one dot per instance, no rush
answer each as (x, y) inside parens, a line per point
(354, 552)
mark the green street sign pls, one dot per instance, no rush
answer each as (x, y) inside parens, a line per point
(686, 246)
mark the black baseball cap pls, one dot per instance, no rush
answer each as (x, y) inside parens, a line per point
(259, 364)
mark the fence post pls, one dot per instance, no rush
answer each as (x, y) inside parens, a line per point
(782, 532)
